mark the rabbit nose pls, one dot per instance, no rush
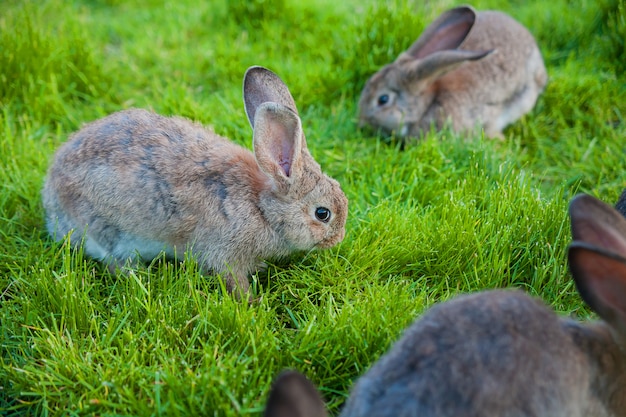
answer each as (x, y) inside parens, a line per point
(332, 240)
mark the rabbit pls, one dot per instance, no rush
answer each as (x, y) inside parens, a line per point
(501, 352)
(468, 69)
(137, 183)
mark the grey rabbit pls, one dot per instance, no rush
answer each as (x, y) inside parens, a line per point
(137, 183)
(502, 353)
(470, 69)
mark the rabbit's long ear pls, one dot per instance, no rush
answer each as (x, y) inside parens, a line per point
(447, 32)
(261, 85)
(293, 395)
(596, 223)
(600, 278)
(279, 143)
(439, 64)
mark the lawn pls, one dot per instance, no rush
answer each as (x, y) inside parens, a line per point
(441, 217)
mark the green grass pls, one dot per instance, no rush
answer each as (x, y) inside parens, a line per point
(448, 215)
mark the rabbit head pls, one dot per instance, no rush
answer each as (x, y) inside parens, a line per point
(397, 98)
(307, 206)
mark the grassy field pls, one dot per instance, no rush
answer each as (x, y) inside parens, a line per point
(444, 216)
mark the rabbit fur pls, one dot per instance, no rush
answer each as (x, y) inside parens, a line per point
(136, 183)
(503, 353)
(468, 69)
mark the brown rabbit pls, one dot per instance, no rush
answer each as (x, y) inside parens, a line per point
(468, 69)
(137, 183)
(503, 353)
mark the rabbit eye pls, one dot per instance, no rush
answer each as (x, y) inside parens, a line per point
(383, 99)
(322, 214)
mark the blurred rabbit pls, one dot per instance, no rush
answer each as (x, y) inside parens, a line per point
(470, 69)
(503, 353)
(137, 183)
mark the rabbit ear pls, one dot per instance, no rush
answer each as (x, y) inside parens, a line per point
(447, 32)
(261, 85)
(278, 143)
(598, 224)
(440, 63)
(600, 277)
(293, 395)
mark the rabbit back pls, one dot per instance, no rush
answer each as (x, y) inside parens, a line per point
(506, 84)
(143, 182)
(496, 353)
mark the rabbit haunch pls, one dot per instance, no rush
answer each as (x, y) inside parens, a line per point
(469, 69)
(136, 182)
(502, 353)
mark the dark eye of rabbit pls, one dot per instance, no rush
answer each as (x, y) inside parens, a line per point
(383, 99)
(322, 214)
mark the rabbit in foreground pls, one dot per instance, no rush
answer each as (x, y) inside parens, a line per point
(503, 353)
(470, 69)
(137, 183)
